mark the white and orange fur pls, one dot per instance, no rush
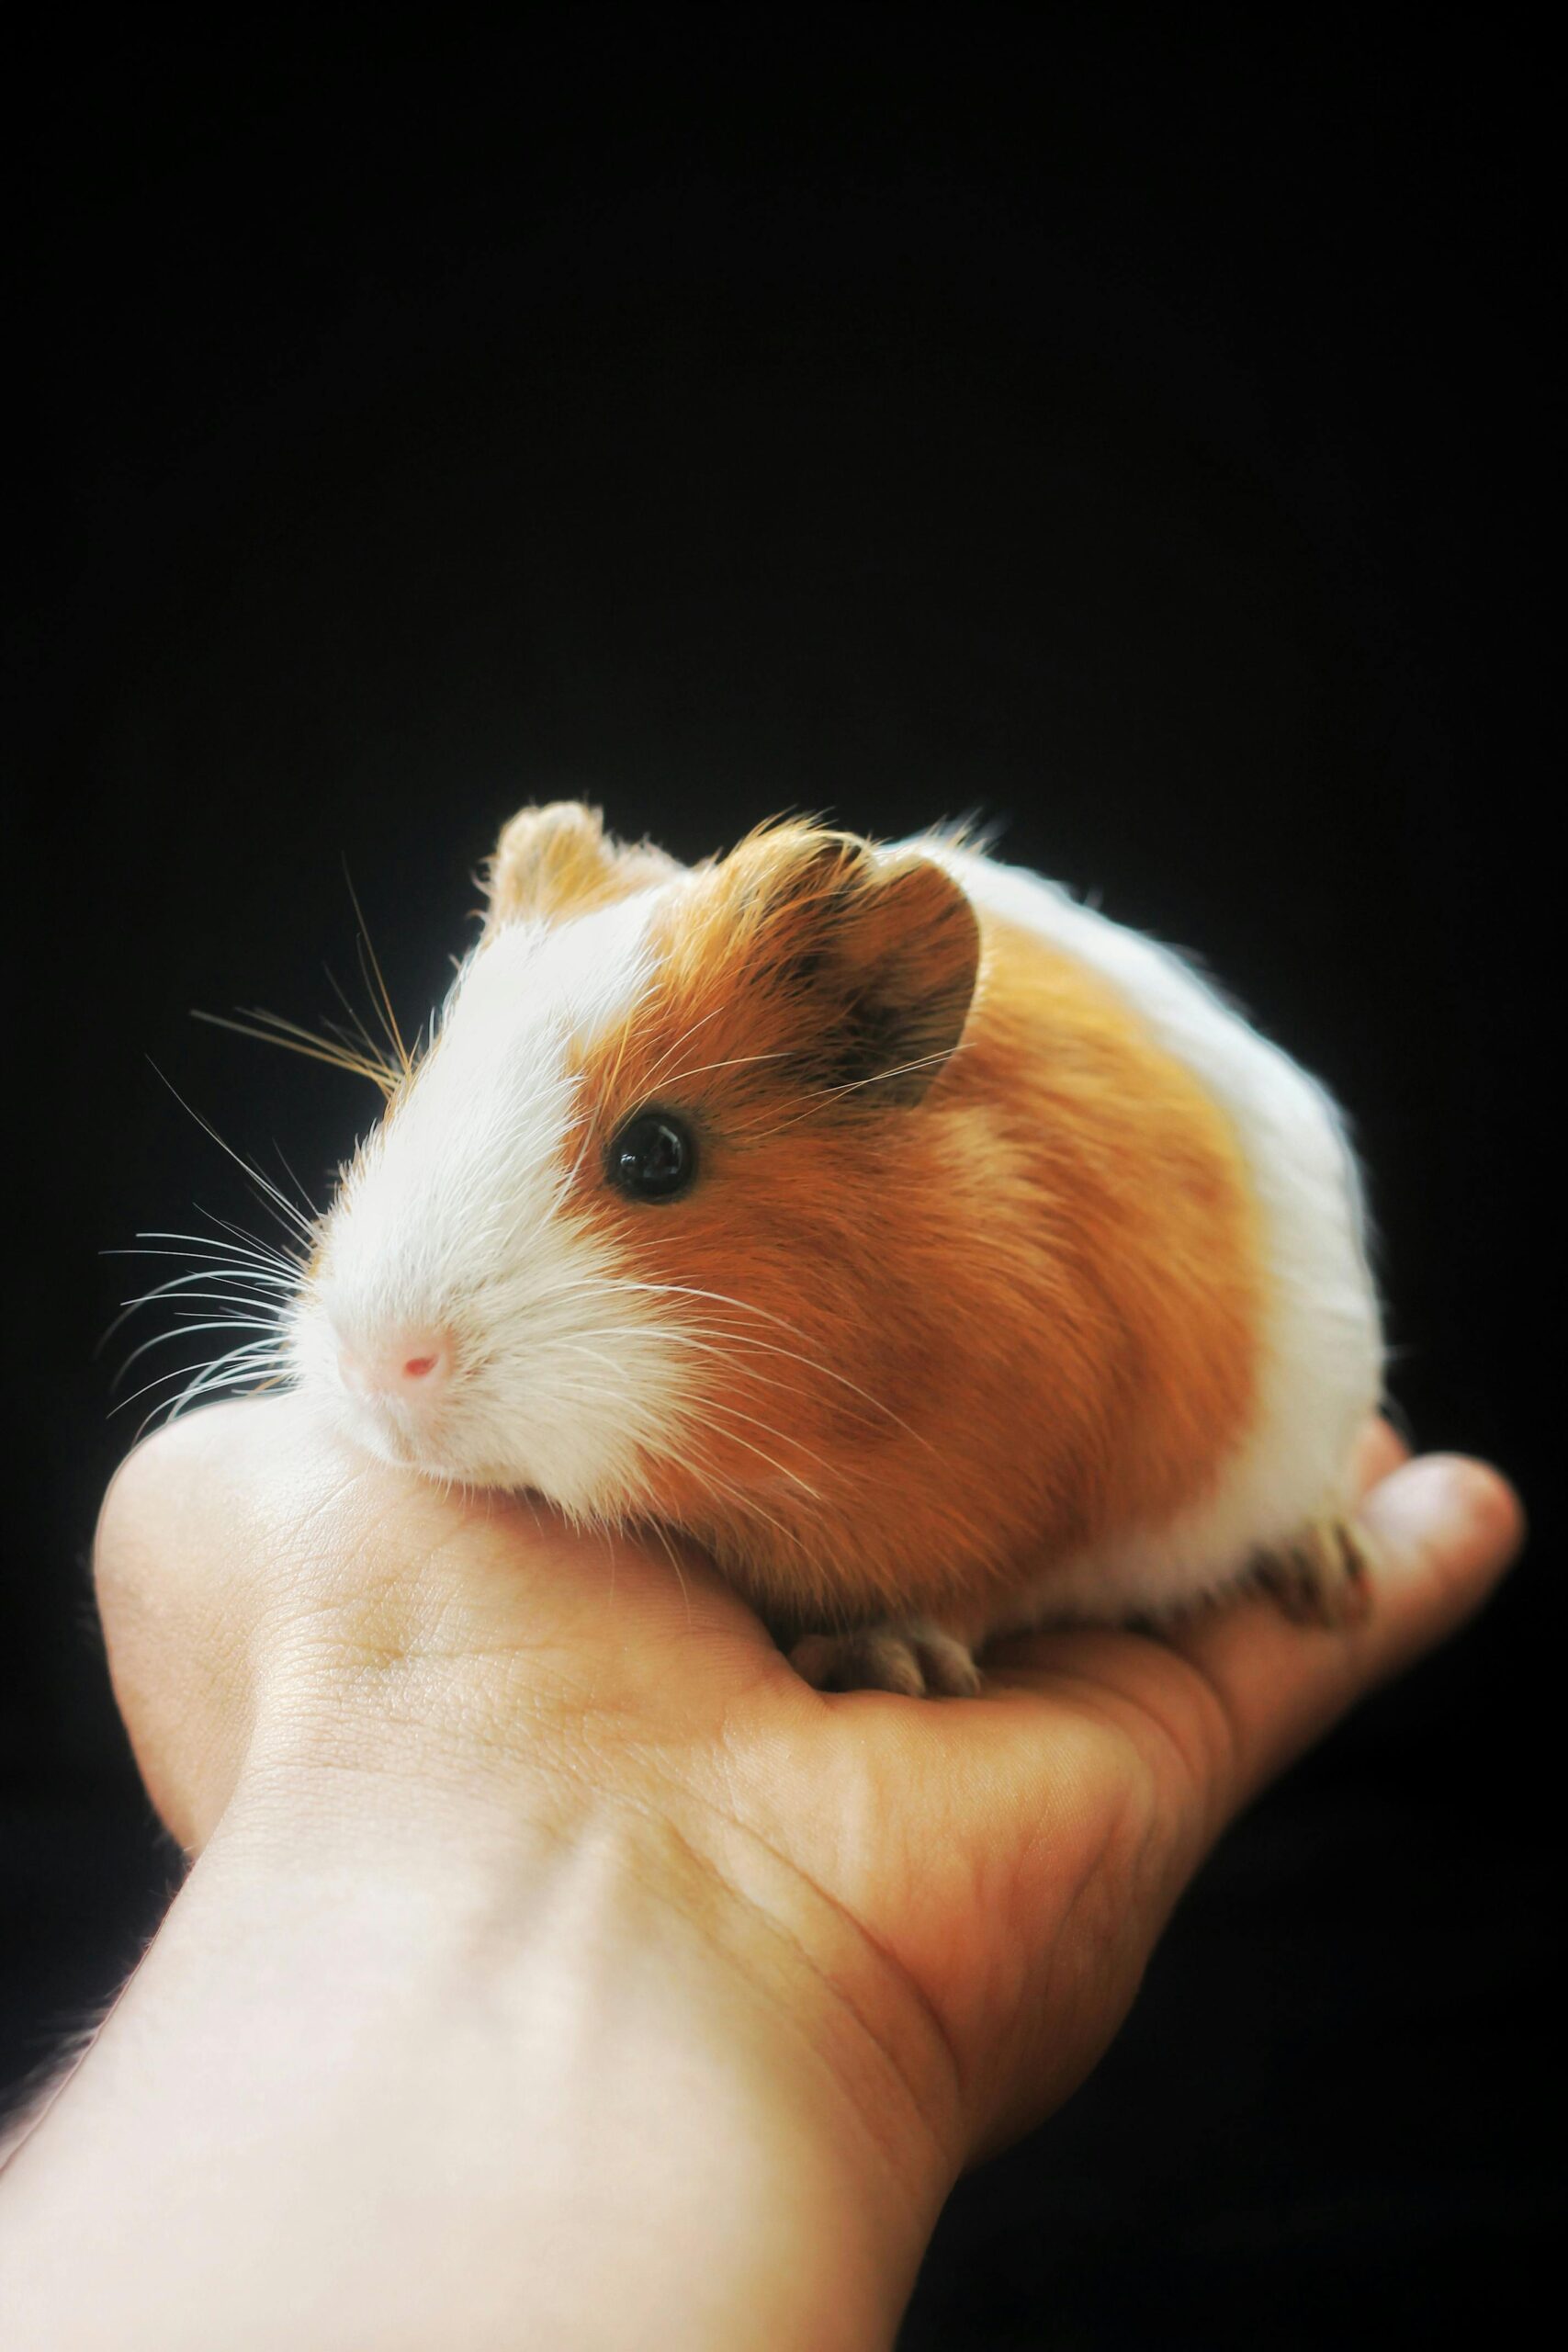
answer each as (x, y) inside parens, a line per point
(1021, 1279)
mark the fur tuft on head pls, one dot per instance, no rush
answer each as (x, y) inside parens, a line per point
(559, 860)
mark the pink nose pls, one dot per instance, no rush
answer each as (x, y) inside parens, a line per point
(412, 1366)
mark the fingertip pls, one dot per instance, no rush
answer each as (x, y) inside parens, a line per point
(1445, 1515)
(1440, 1530)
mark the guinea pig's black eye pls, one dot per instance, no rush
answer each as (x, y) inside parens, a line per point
(652, 1158)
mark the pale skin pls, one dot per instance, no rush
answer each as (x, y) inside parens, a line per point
(556, 1968)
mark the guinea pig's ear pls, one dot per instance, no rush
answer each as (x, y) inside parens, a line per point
(880, 954)
(559, 860)
(907, 955)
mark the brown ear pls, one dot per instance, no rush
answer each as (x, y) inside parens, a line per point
(559, 860)
(880, 954)
(910, 952)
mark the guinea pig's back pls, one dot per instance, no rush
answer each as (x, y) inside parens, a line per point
(1319, 1349)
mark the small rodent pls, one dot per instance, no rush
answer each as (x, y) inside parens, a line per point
(940, 1256)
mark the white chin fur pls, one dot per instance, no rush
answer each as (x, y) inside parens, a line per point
(456, 1216)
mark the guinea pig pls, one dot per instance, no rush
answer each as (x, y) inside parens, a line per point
(940, 1256)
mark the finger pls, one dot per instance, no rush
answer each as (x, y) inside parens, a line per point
(1441, 1530)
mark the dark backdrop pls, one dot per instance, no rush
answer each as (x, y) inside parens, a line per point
(1125, 424)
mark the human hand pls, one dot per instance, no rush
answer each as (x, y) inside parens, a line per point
(919, 1922)
(271, 1596)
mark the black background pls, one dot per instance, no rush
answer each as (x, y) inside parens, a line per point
(1127, 424)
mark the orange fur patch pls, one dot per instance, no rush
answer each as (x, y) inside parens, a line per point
(934, 1343)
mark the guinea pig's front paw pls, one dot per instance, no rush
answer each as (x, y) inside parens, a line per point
(906, 1654)
(1322, 1577)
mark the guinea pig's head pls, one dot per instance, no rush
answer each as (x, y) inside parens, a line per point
(625, 1235)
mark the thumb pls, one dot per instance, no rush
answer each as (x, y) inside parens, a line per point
(1440, 1530)
(1444, 1529)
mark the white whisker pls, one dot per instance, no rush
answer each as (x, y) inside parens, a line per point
(245, 1363)
(735, 1061)
(278, 1201)
(188, 1330)
(651, 1079)
(684, 1290)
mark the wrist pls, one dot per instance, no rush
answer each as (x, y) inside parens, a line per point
(624, 2099)
(722, 2080)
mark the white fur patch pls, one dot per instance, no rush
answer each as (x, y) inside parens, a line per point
(1321, 1346)
(457, 1215)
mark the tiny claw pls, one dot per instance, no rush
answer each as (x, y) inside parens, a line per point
(912, 1658)
(1323, 1577)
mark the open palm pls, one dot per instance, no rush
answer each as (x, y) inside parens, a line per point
(999, 1867)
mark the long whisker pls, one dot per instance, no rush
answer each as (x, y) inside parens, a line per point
(372, 1051)
(207, 1383)
(242, 1245)
(824, 1095)
(310, 1208)
(209, 1270)
(185, 1296)
(182, 1293)
(606, 1283)
(280, 1201)
(578, 1348)
(699, 1339)
(283, 1271)
(245, 1360)
(271, 1029)
(651, 1077)
(291, 1255)
(381, 994)
(683, 1290)
(733, 1412)
(188, 1330)
(744, 1503)
(734, 1061)
(689, 1290)
(718, 1404)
